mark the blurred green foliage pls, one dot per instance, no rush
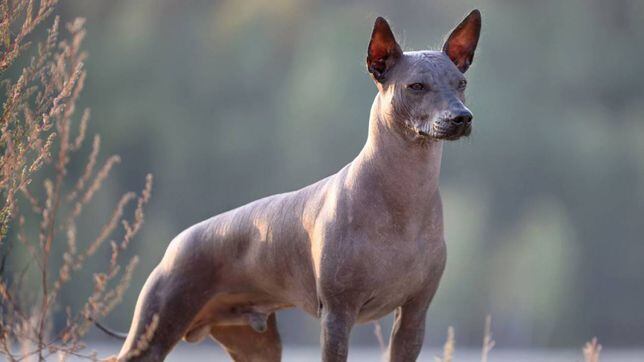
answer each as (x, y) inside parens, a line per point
(228, 101)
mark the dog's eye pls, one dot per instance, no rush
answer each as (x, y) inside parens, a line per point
(416, 86)
(462, 84)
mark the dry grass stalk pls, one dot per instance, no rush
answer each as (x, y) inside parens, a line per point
(448, 347)
(488, 342)
(144, 341)
(591, 351)
(38, 119)
(377, 331)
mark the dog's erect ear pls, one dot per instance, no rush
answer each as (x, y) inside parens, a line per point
(383, 50)
(461, 44)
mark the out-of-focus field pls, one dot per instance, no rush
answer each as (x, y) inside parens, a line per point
(208, 351)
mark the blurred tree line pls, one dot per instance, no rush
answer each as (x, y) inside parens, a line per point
(228, 101)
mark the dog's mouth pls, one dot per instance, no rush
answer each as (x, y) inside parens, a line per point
(450, 133)
(437, 132)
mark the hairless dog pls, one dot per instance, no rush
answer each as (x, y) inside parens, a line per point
(348, 249)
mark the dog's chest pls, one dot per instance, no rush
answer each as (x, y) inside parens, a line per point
(395, 275)
(376, 253)
(380, 274)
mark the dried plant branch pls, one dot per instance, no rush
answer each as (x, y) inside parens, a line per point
(39, 119)
(591, 351)
(448, 347)
(377, 331)
(144, 341)
(488, 342)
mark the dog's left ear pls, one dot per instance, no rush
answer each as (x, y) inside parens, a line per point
(383, 51)
(461, 43)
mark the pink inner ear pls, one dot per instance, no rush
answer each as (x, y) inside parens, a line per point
(461, 44)
(379, 53)
(381, 46)
(383, 49)
(459, 51)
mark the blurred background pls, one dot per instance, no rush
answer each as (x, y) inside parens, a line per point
(227, 101)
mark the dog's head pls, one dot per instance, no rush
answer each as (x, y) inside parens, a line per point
(422, 92)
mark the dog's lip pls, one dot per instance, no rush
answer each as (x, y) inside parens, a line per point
(436, 132)
(452, 137)
(417, 131)
(445, 133)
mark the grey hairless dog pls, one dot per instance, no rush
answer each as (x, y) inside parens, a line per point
(348, 249)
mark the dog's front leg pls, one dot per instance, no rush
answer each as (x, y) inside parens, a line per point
(408, 331)
(336, 328)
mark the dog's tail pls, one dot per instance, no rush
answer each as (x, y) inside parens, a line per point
(108, 331)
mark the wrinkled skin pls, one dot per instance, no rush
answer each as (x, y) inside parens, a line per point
(427, 113)
(348, 249)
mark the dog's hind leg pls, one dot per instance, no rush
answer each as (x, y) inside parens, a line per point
(170, 299)
(244, 344)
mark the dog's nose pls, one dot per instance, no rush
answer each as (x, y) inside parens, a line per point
(462, 118)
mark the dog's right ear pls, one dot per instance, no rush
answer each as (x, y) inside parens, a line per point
(461, 43)
(383, 51)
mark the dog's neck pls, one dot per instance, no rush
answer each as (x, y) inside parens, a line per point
(391, 163)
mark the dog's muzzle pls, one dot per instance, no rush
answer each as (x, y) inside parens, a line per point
(451, 129)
